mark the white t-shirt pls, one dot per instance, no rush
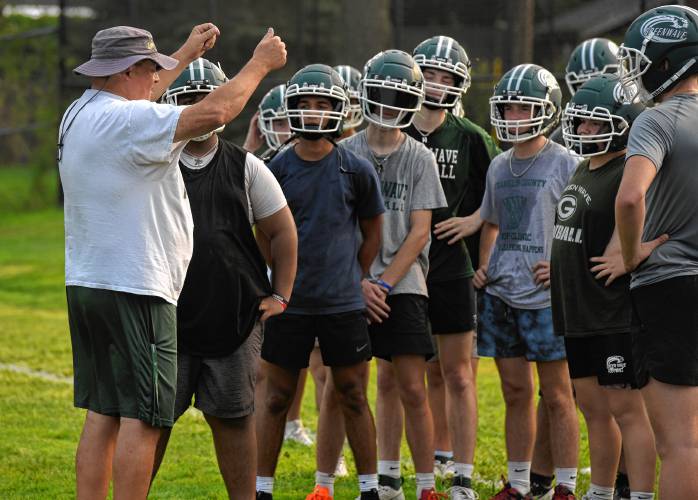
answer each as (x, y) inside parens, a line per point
(128, 225)
(264, 194)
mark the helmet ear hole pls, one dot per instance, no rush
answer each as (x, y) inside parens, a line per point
(663, 66)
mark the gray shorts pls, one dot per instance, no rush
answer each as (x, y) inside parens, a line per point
(221, 387)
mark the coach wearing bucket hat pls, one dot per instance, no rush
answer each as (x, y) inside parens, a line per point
(128, 233)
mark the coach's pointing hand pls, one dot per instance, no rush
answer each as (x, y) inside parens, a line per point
(270, 51)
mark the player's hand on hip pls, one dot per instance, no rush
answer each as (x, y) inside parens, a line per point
(609, 267)
(645, 251)
(541, 273)
(201, 39)
(270, 51)
(480, 277)
(374, 295)
(270, 307)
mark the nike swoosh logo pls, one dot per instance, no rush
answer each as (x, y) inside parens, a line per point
(519, 470)
(393, 468)
(359, 349)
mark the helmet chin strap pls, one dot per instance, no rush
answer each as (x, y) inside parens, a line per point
(202, 138)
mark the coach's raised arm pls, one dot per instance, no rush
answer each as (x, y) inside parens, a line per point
(223, 104)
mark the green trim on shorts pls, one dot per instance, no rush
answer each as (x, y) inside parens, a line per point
(124, 354)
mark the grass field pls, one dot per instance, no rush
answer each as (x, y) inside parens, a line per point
(40, 427)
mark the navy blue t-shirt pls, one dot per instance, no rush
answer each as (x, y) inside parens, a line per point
(327, 200)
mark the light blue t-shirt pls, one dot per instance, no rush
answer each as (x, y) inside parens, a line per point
(520, 198)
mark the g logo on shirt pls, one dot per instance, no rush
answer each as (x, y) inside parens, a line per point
(566, 207)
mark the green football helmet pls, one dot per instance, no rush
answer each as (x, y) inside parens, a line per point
(391, 89)
(272, 112)
(351, 77)
(445, 54)
(601, 99)
(200, 77)
(591, 58)
(526, 84)
(318, 80)
(660, 48)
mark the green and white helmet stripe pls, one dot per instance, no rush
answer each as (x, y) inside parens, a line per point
(200, 77)
(351, 77)
(593, 57)
(271, 110)
(445, 54)
(526, 84)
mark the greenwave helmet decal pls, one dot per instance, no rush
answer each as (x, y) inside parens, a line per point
(351, 77)
(660, 48)
(200, 77)
(391, 89)
(601, 99)
(593, 57)
(526, 84)
(271, 110)
(445, 54)
(318, 80)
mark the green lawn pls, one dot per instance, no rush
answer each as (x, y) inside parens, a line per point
(40, 428)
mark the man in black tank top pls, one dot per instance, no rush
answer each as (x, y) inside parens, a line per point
(227, 295)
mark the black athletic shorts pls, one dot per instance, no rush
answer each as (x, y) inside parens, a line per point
(343, 338)
(452, 306)
(606, 357)
(665, 338)
(406, 331)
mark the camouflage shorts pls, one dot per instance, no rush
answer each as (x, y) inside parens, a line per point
(508, 332)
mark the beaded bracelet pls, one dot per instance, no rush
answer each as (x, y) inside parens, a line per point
(280, 299)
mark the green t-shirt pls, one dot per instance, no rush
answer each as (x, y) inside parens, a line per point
(463, 153)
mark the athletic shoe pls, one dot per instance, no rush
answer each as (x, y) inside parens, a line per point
(341, 469)
(432, 494)
(295, 431)
(390, 488)
(369, 495)
(462, 493)
(541, 493)
(263, 495)
(319, 493)
(563, 493)
(509, 493)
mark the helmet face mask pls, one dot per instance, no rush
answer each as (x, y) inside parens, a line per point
(443, 53)
(659, 50)
(351, 77)
(200, 77)
(272, 113)
(530, 85)
(597, 144)
(391, 91)
(316, 80)
(601, 100)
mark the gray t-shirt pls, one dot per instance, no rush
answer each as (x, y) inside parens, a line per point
(523, 206)
(666, 135)
(409, 181)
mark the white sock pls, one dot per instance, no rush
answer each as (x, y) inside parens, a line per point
(465, 470)
(566, 477)
(389, 468)
(293, 424)
(368, 482)
(326, 480)
(519, 475)
(446, 454)
(425, 480)
(596, 492)
(265, 484)
(641, 495)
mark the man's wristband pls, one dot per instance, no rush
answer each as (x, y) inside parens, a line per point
(384, 284)
(280, 299)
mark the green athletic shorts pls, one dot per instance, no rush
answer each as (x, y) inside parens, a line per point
(124, 354)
